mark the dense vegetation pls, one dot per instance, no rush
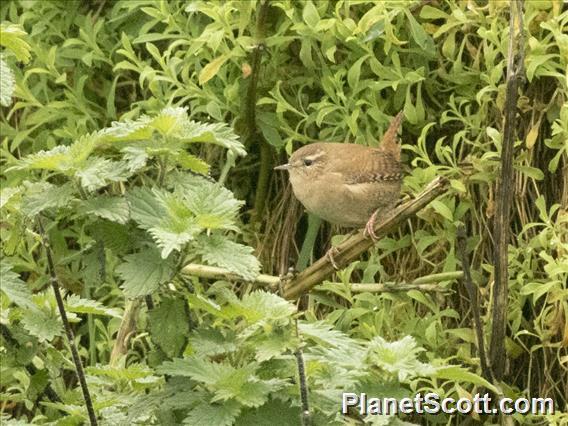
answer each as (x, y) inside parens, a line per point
(140, 136)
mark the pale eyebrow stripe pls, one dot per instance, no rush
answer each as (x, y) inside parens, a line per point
(315, 156)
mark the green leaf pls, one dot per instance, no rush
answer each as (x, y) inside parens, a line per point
(219, 251)
(213, 414)
(207, 342)
(460, 374)
(115, 209)
(42, 325)
(99, 172)
(11, 37)
(16, 289)
(7, 83)
(42, 195)
(324, 334)
(199, 369)
(191, 162)
(169, 325)
(75, 303)
(442, 210)
(261, 306)
(213, 205)
(212, 68)
(355, 71)
(143, 272)
(310, 14)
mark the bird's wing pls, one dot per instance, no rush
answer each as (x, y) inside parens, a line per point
(375, 166)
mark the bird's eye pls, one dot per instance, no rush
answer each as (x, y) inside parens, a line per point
(308, 162)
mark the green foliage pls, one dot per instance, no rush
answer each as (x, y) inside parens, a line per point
(125, 127)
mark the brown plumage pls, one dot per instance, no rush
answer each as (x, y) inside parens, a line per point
(348, 184)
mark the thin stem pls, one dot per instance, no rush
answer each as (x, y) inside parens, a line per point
(68, 331)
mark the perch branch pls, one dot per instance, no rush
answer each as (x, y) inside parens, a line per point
(357, 243)
(426, 283)
(473, 297)
(68, 331)
(505, 188)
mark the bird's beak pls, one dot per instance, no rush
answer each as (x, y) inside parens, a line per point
(283, 167)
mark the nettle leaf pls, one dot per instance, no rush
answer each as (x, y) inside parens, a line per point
(199, 369)
(135, 158)
(323, 333)
(173, 124)
(143, 272)
(43, 195)
(114, 236)
(98, 172)
(399, 357)
(7, 83)
(217, 250)
(130, 373)
(115, 209)
(261, 305)
(42, 325)
(215, 133)
(213, 205)
(16, 289)
(191, 162)
(76, 304)
(57, 159)
(207, 342)
(169, 325)
(205, 413)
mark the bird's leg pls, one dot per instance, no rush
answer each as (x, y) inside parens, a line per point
(370, 228)
(333, 251)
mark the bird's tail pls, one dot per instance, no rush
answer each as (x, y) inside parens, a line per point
(389, 142)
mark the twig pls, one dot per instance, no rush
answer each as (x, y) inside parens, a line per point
(302, 383)
(68, 331)
(357, 243)
(504, 195)
(263, 280)
(473, 296)
(250, 113)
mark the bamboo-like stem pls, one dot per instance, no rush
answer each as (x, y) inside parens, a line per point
(505, 188)
(473, 297)
(68, 331)
(358, 243)
(425, 283)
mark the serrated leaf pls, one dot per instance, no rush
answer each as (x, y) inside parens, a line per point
(132, 372)
(324, 333)
(191, 162)
(207, 342)
(98, 172)
(75, 303)
(42, 195)
(169, 325)
(115, 209)
(41, 325)
(199, 369)
(114, 236)
(213, 414)
(217, 250)
(143, 272)
(16, 289)
(262, 305)
(214, 206)
(7, 83)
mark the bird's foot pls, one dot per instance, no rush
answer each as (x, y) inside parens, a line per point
(370, 228)
(333, 251)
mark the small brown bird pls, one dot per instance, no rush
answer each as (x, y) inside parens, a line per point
(348, 184)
